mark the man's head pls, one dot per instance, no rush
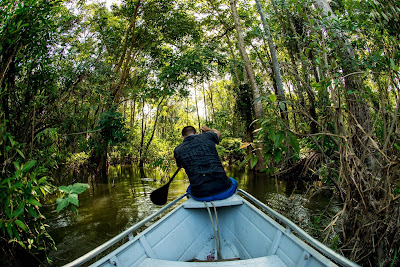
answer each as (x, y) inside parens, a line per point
(188, 130)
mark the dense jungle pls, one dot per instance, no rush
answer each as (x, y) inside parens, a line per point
(306, 91)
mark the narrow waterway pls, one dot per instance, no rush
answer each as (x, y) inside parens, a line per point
(108, 209)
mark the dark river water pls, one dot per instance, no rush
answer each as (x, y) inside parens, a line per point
(108, 209)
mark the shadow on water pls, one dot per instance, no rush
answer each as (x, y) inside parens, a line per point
(108, 209)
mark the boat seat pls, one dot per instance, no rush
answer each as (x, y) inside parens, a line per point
(230, 201)
(273, 260)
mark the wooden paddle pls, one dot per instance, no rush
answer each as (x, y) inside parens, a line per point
(160, 195)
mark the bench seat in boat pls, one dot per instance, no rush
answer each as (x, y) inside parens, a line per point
(273, 260)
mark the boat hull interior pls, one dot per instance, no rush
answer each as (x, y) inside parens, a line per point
(188, 236)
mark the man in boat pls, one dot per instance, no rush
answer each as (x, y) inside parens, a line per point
(199, 157)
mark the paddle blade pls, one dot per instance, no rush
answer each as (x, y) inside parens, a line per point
(160, 195)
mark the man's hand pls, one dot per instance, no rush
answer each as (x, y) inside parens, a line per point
(205, 129)
(208, 129)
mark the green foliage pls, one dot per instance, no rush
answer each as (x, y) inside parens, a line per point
(23, 185)
(70, 196)
(112, 125)
(278, 140)
(229, 149)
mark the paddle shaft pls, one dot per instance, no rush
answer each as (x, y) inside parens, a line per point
(173, 176)
(160, 195)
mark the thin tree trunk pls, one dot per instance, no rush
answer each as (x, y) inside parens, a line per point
(210, 96)
(197, 108)
(143, 132)
(133, 113)
(205, 106)
(146, 148)
(275, 62)
(235, 70)
(247, 64)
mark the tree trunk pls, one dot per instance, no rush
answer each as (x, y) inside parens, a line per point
(258, 109)
(275, 62)
(205, 106)
(143, 133)
(247, 64)
(146, 148)
(197, 108)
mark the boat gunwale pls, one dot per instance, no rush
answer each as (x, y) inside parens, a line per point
(95, 252)
(318, 246)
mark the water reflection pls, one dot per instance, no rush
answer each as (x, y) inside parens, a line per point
(108, 209)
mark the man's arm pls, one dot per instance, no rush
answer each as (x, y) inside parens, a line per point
(207, 129)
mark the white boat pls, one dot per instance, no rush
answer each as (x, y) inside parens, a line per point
(230, 232)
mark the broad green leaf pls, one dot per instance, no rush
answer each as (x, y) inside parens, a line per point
(21, 225)
(267, 157)
(17, 185)
(79, 188)
(62, 203)
(28, 165)
(246, 159)
(11, 140)
(65, 188)
(17, 166)
(9, 230)
(294, 142)
(20, 152)
(5, 181)
(253, 161)
(33, 201)
(42, 180)
(271, 133)
(32, 212)
(18, 212)
(272, 97)
(278, 156)
(73, 198)
(278, 139)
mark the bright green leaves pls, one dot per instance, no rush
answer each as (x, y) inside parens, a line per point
(33, 201)
(62, 203)
(251, 158)
(253, 161)
(277, 143)
(70, 197)
(77, 188)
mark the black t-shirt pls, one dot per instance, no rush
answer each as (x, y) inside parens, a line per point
(199, 157)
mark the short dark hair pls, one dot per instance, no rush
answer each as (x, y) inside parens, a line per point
(188, 130)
